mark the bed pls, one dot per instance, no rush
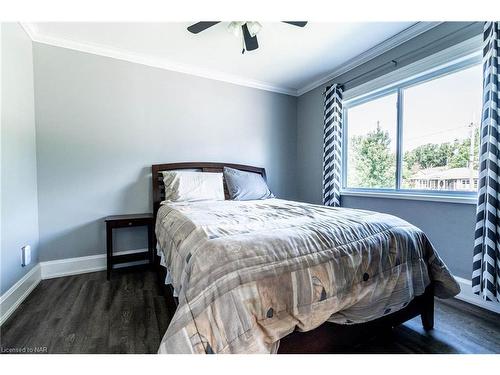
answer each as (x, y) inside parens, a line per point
(278, 276)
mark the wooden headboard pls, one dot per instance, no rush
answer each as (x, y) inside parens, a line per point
(159, 189)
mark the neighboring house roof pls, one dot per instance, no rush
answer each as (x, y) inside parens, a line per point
(442, 173)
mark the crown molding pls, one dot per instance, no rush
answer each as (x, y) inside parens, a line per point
(115, 53)
(28, 29)
(142, 59)
(400, 38)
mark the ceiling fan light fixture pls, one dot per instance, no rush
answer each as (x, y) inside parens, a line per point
(235, 28)
(245, 30)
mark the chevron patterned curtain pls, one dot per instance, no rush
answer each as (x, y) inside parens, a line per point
(486, 260)
(332, 146)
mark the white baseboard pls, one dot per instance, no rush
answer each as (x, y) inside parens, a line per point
(12, 298)
(467, 296)
(75, 266)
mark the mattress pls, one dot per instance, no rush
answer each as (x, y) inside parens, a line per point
(247, 273)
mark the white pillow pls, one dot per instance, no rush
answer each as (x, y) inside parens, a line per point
(188, 186)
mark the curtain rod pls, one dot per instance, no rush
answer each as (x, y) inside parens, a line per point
(395, 61)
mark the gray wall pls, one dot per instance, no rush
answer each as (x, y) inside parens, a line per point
(450, 226)
(101, 123)
(19, 211)
(310, 146)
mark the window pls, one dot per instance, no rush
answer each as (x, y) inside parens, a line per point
(421, 136)
(372, 143)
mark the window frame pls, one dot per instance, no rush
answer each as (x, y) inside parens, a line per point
(398, 89)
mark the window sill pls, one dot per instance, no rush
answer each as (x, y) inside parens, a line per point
(464, 199)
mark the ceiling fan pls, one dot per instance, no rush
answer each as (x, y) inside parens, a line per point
(247, 30)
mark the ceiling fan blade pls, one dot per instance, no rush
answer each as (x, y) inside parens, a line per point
(296, 23)
(250, 41)
(200, 26)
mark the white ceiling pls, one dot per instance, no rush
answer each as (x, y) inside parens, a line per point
(288, 60)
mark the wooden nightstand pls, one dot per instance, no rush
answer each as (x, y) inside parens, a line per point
(127, 221)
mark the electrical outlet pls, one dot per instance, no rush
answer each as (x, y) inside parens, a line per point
(26, 255)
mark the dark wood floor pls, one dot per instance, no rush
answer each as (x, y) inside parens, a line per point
(87, 314)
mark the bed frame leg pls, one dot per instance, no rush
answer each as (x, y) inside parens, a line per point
(427, 313)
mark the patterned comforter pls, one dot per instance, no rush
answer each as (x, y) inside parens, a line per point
(249, 273)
